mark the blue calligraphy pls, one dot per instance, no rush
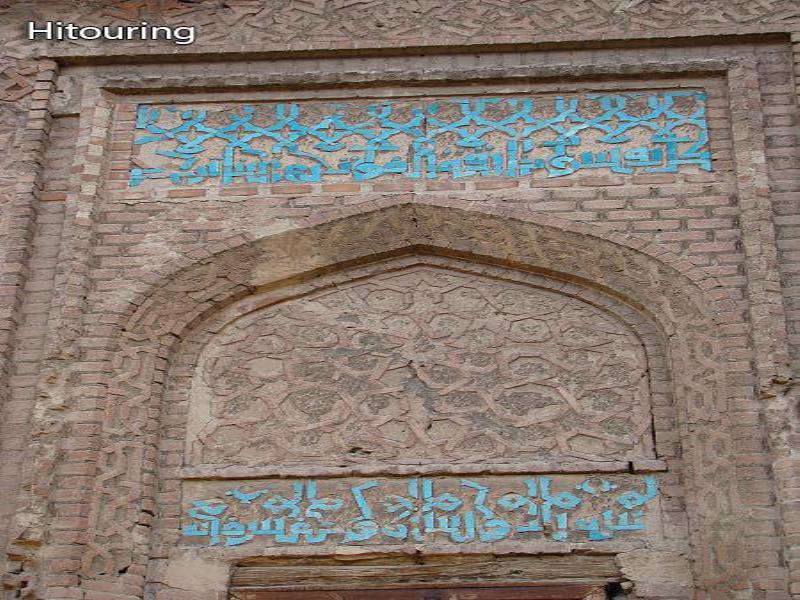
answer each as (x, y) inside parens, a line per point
(466, 137)
(467, 511)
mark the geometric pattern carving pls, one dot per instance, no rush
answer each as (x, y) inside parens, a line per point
(331, 21)
(423, 364)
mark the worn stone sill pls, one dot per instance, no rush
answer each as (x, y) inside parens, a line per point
(369, 470)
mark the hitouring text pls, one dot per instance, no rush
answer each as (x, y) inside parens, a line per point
(61, 31)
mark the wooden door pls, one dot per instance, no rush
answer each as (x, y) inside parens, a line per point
(570, 591)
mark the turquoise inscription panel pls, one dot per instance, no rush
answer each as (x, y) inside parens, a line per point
(538, 137)
(393, 511)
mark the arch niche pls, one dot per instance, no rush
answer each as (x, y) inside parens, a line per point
(424, 360)
(642, 290)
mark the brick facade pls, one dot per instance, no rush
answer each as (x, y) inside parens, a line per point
(138, 318)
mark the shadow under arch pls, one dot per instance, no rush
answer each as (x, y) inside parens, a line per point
(637, 272)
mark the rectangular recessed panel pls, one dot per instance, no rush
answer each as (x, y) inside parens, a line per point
(541, 136)
(453, 510)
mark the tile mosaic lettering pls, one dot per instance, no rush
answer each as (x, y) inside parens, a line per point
(386, 511)
(547, 136)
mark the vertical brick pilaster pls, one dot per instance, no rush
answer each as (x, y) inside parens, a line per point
(22, 205)
(786, 465)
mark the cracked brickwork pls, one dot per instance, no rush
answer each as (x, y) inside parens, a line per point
(156, 338)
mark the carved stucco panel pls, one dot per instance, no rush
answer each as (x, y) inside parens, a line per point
(338, 23)
(421, 364)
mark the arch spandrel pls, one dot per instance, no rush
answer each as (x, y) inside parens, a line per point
(427, 361)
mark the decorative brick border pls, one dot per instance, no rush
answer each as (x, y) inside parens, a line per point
(23, 188)
(20, 192)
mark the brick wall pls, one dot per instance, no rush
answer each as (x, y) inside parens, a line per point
(99, 274)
